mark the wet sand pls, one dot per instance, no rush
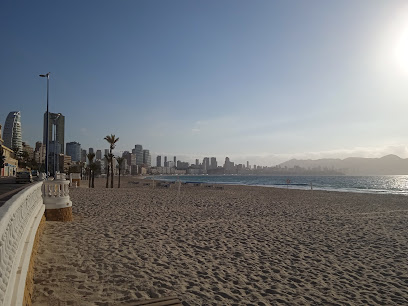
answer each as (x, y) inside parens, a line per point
(235, 246)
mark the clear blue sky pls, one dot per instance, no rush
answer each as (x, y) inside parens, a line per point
(258, 80)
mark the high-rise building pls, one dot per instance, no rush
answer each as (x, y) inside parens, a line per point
(83, 156)
(127, 159)
(213, 163)
(56, 129)
(158, 161)
(147, 159)
(247, 164)
(132, 159)
(53, 156)
(206, 163)
(228, 165)
(182, 165)
(106, 152)
(91, 150)
(38, 145)
(12, 131)
(165, 161)
(175, 160)
(197, 162)
(138, 150)
(98, 154)
(73, 149)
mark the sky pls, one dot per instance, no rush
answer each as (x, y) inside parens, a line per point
(264, 81)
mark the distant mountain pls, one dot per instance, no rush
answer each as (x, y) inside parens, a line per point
(389, 164)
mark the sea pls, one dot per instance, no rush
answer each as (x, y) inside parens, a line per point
(384, 184)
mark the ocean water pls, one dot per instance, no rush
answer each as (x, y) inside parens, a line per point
(385, 184)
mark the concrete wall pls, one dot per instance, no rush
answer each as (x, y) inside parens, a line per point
(20, 218)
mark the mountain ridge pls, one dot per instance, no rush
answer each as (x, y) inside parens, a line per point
(390, 164)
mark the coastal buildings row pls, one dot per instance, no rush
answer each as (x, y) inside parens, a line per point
(71, 157)
(64, 156)
(19, 155)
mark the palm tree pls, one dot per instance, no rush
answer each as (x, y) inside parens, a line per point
(107, 157)
(93, 168)
(90, 156)
(112, 143)
(120, 161)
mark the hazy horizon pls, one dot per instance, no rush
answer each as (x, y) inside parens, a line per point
(263, 81)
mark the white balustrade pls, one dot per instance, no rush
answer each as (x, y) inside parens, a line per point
(56, 194)
(19, 220)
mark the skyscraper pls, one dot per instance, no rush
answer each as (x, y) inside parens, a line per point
(158, 161)
(206, 163)
(98, 154)
(165, 161)
(83, 156)
(213, 163)
(12, 131)
(128, 158)
(228, 165)
(147, 159)
(73, 149)
(175, 160)
(91, 150)
(56, 129)
(139, 154)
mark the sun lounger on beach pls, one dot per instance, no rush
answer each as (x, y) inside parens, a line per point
(167, 301)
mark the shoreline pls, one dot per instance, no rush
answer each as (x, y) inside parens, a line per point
(297, 186)
(241, 244)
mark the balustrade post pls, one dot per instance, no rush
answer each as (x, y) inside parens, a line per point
(58, 206)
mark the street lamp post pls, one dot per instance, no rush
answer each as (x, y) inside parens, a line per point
(55, 145)
(47, 124)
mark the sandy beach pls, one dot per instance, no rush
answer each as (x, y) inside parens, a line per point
(233, 246)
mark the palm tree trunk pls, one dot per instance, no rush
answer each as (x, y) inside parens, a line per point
(112, 173)
(93, 179)
(89, 178)
(119, 178)
(107, 177)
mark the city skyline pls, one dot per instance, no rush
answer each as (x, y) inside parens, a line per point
(260, 81)
(192, 159)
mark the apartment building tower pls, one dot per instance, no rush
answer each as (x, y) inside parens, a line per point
(12, 131)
